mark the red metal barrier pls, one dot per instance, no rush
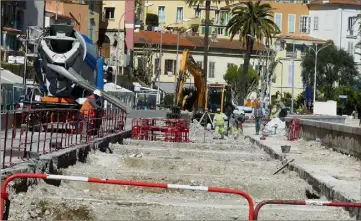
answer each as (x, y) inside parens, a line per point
(294, 129)
(303, 203)
(5, 196)
(169, 130)
(42, 131)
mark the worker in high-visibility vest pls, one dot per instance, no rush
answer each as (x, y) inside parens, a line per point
(91, 111)
(219, 123)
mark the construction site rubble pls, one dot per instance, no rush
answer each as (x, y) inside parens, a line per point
(219, 163)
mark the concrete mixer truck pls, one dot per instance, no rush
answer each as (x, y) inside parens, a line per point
(66, 68)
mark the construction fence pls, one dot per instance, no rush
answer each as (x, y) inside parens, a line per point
(30, 133)
(161, 129)
(253, 210)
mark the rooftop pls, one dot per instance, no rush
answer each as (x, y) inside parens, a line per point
(170, 39)
(301, 38)
(336, 2)
(61, 16)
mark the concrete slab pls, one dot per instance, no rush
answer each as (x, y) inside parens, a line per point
(335, 175)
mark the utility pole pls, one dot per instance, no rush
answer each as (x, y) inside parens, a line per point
(159, 66)
(315, 79)
(205, 61)
(176, 70)
(293, 77)
(316, 50)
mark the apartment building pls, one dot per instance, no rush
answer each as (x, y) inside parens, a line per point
(78, 13)
(294, 22)
(336, 20)
(112, 27)
(16, 17)
(221, 54)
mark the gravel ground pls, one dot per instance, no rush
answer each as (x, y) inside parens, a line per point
(228, 163)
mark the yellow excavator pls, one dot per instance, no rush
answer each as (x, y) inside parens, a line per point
(214, 96)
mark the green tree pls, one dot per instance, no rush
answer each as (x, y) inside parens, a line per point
(233, 77)
(252, 21)
(152, 19)
(351, 103)
(335, 67)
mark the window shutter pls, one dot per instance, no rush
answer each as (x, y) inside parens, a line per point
(309, 25)
(210, 29)
(202, 30)
(165, 67)
(301, 24)
(225, 32)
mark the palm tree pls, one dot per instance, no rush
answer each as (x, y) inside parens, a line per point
(252, 21)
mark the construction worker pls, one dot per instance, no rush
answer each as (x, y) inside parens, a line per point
(234, 124)
(91, 111)
(219, 123)
(258, 115)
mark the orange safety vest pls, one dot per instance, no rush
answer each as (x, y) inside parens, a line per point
(87, 108)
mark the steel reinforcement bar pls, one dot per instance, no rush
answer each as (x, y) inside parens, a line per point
(303, 203)
(5, 202)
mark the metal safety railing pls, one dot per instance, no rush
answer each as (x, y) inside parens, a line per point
(40, 131)
(253, 212)
(5, 202)
(304, 203)
(169, 130)
(294, 129)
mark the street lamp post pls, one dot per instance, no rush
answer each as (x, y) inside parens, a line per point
(293, 77)
(122, 40)
(281, 77)
(160, 57)
(176, 67)
(315, 79)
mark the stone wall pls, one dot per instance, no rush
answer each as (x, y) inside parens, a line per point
(339, 137)
(336, 119)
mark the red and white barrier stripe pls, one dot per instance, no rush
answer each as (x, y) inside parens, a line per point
(304, 203)
(4, 194)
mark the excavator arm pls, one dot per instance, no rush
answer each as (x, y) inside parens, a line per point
(189, 65)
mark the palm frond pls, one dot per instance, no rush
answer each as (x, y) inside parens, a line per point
(253, 18)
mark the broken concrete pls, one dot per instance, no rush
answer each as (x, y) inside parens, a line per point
(232, 164)
(53, 163)
(340, 137)
(332, 174)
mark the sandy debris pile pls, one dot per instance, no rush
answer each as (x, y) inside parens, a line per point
(44, 202)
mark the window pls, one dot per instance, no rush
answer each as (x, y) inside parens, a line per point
(109, 12)
(350, 48)
(289, 75)
(291, 23)
(278, 20)
(169, 67)
(305, 24)
(211, 69)
(351, 23)
(156, 65)
(180, 15)
(217, 19)
(256, 68)
(91, 29)
(315, 23)
(161, 14)
(197, 13)
(200, 64)
(305, 1)
(91, 5)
